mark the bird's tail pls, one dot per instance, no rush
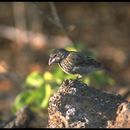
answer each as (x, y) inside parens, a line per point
(97, 65)
(102, 67)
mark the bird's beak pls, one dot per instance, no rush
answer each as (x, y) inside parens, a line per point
(51, 60)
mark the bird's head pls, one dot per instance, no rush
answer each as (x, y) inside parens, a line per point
(57, 55)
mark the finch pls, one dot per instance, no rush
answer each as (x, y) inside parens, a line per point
(72, 62)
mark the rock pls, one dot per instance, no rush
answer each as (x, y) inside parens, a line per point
(76, 105)
(22, 119)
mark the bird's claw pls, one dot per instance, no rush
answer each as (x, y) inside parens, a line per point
(79, 78)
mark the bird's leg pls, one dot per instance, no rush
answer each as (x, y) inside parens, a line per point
(79, 77)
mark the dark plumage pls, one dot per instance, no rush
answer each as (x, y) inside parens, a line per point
(74, 62)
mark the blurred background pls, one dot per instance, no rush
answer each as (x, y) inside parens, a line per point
(30, 30)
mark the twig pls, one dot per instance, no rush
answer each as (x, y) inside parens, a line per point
(25, 36)
(58, 21)
(55, 16)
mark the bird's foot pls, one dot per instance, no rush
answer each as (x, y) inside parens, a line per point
(79, 78)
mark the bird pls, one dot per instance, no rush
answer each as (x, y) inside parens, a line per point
(74, 62)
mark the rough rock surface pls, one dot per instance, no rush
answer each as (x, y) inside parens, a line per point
(76, 105)
(22, 119)
(123, 117)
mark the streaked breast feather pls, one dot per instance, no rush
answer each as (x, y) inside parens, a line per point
(66, 66)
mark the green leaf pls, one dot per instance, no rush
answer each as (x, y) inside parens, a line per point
(20, 100)
(87, 80)
(35, 79)
(48, 92)
(99, 79)
(48, 76)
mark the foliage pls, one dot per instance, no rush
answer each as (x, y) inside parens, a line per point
(37, 91)
(40, 86)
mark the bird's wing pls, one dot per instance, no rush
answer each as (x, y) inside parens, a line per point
(93, 62)
(76, 58)
(81, 59)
